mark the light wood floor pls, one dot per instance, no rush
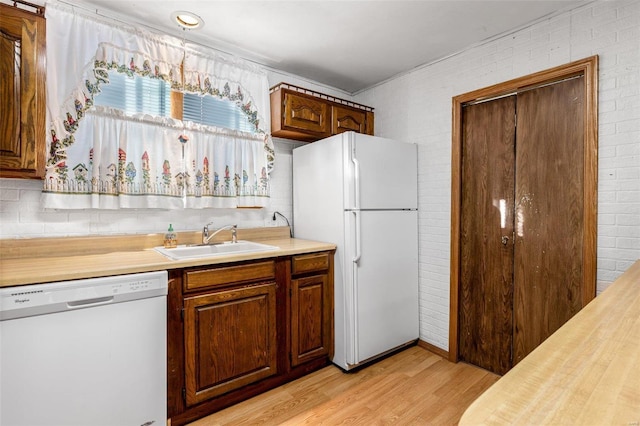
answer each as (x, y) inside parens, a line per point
(413, 387)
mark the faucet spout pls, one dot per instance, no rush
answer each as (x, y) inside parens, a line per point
(206, 237)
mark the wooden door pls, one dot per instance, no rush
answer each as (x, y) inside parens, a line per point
(549, 211)
(486, 234)
(230, 340)
(522, 222)
(554, 212)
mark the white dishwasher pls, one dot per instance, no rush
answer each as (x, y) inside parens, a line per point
(84, 352)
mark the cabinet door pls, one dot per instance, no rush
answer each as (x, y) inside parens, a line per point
(344, 119)
(306, 114)
(22, 93)
(230, 340)
(310, 318)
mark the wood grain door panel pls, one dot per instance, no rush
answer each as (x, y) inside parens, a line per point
(486, 248)
(555, 206)
(230, 340)
(10, 100)
(549, 211)
(344, 119)
(310, 318)
(306, 113)
(22, 93)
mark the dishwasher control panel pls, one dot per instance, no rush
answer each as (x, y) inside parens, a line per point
(39, 299)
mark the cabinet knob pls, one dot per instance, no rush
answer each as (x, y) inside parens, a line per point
(505, 240)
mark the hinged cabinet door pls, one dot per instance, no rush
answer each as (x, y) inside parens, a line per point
(307, 114)
(310, 318)
(344, 119)
(22, 93)
(230, 340)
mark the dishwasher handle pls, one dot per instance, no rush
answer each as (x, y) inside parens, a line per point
(89, 302)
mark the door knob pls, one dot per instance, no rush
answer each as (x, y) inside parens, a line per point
(505, 240)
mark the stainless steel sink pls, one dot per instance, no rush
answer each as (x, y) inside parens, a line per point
(211, 250)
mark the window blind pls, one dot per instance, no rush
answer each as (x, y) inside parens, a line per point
(215, 112)
(135, 95)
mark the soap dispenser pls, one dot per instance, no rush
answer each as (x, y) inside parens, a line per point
(170, 238)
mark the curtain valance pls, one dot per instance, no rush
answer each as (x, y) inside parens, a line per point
(139, 162)
(228, 78)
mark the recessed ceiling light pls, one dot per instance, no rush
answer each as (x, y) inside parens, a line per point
(187, 20)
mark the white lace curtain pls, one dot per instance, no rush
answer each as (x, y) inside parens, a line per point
(100, 158)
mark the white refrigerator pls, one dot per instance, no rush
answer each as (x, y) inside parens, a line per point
(360, 193)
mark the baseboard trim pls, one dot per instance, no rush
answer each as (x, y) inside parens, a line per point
(431, 348)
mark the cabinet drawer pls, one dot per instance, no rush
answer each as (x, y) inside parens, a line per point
(309, 263)
(229, 275)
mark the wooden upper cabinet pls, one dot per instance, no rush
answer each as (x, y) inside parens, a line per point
(344, 119)
(22, 92)
(305, 115)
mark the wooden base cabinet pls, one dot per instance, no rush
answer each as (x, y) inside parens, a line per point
(230, 340)
(239, 329)
(311, 308)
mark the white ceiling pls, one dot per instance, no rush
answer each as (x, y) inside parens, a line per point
(349, 45)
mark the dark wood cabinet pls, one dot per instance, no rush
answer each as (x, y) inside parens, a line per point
(22, 92)
(230, 329)
(230, 340)
(306, 115)
(345, 119)
(311, 308)
(236, 330)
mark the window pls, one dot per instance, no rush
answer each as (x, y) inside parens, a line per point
(137, 94)
(206, 109)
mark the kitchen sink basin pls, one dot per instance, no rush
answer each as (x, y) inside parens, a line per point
(184, 252)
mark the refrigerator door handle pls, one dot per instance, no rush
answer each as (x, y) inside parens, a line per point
(356, 258)
(356, 173)
(353, 344)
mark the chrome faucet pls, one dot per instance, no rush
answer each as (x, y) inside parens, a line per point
(206, 237)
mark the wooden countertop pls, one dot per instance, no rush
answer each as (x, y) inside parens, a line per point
(586, 373)
(104, 256)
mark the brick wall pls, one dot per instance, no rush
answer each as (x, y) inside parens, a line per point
(416, 107)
